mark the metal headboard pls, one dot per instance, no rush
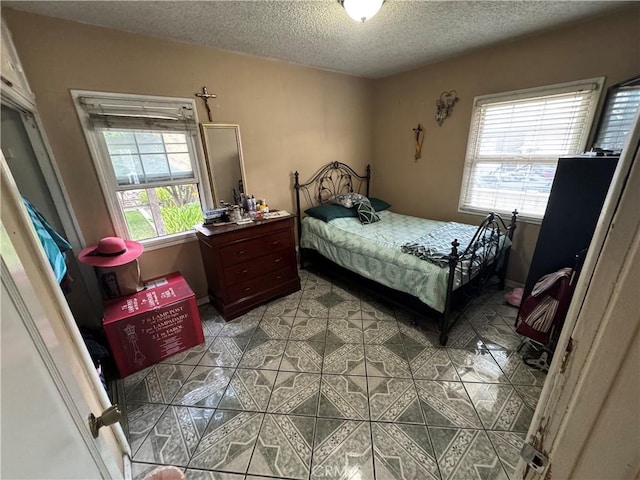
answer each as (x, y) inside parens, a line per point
(332, 179)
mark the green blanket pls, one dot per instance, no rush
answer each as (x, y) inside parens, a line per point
(374, 251)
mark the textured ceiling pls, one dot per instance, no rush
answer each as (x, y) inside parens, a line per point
(402, 36)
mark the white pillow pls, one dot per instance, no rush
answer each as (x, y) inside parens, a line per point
(348, 200)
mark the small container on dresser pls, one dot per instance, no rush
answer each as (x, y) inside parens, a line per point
(249, 264)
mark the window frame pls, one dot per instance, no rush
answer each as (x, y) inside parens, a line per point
(632, 83)
(517, 95)
(106, 174)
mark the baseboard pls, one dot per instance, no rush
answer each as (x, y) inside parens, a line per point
(202, 301)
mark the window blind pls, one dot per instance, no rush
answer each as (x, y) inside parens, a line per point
(515, 141)
(123, 113)
(617, 118)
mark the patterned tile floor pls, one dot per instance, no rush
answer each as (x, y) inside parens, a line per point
(329, 383)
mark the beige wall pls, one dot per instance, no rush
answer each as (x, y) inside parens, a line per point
(608, 46)
(291, 117)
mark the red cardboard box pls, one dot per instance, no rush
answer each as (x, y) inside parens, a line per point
(160, 321)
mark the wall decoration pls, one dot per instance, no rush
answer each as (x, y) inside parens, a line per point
(205, 95)
(419, 139)
(444, 105)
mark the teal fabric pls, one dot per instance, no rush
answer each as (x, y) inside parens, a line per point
(374, 251)
(330, 212)
(53, 243)
(366, 213)
(378, 204)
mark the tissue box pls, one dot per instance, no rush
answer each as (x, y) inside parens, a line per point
(146, 327)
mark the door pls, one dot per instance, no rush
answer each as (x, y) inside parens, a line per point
(21, 145)
(47, 389)
(587, 421)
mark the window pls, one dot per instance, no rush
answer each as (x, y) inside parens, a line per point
(145, 152)
(620, 110)
(515, 141)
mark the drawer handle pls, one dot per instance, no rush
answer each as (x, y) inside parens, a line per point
(244, 271)
(247, 289)
(277, 260)
(278, 277)
(241, 252)
(276, 242)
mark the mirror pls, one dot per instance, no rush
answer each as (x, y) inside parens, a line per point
(223, 149)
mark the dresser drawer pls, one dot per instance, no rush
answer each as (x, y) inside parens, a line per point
(258, 266)
(255, 247)
(257, 285)
(250, 264)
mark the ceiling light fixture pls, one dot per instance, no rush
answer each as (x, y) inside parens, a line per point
(361, 10)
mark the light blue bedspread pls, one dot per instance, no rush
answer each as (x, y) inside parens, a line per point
(375, 252)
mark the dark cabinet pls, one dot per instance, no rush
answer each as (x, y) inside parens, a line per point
(247, 265)
(579, 189)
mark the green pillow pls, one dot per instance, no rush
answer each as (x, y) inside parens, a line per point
(379, 205)
(366, 213)
(329, 212)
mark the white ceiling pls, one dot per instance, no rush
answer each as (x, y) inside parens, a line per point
(402, 36)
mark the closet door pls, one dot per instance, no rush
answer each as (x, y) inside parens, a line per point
(579, 188)
(22, 159)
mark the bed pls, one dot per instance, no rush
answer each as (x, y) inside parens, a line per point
(400, 254)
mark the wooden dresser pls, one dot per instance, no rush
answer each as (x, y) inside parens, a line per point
(247, 265)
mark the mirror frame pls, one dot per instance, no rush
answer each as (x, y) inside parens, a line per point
(208, 150)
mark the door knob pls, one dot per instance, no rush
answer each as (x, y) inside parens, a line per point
(110, 416)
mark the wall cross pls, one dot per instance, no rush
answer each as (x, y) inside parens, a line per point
(205, 95)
